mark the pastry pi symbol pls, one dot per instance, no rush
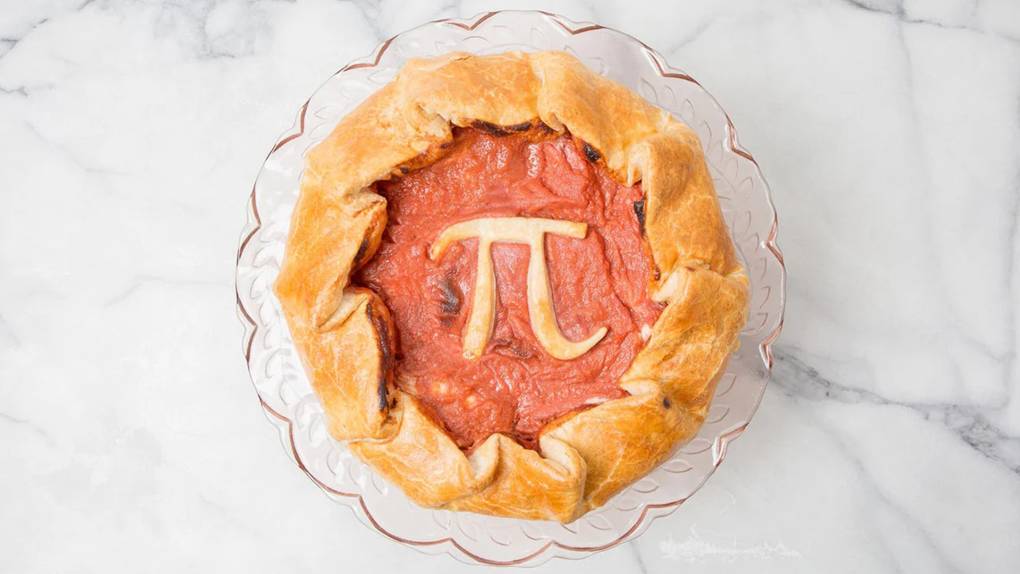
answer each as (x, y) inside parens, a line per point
(529, 231)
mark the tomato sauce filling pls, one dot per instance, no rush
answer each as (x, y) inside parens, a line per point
(515, 387)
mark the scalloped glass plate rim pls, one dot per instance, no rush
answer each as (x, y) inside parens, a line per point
(551, 547)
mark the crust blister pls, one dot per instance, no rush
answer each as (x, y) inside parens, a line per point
(346, 339)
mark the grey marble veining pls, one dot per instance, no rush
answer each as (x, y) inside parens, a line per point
(130, 438)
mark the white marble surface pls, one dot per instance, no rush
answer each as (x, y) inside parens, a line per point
(130, 437)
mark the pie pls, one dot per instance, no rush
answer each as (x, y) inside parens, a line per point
(511, 284)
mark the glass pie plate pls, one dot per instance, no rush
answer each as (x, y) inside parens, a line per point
(293, 407)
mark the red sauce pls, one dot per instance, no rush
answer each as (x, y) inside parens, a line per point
(515, 387)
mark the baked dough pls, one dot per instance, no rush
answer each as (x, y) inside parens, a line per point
(347, 339)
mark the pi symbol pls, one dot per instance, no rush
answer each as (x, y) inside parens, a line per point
(529, 231)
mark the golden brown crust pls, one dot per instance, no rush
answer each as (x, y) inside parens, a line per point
(424, 461)
(346, 338)
(349, 366)
(529, 485)
(683, 223)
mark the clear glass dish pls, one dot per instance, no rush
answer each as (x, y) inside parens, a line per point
(292, 406)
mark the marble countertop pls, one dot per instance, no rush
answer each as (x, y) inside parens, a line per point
(131, 439)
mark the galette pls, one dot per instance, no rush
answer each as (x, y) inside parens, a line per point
(510, 284)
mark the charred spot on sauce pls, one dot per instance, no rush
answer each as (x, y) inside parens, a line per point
(450, 298)
(382, 329)
(591, 153)
(512, 348)
(666, 402)
(639, 211)
(498, 130)
(404, 170)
